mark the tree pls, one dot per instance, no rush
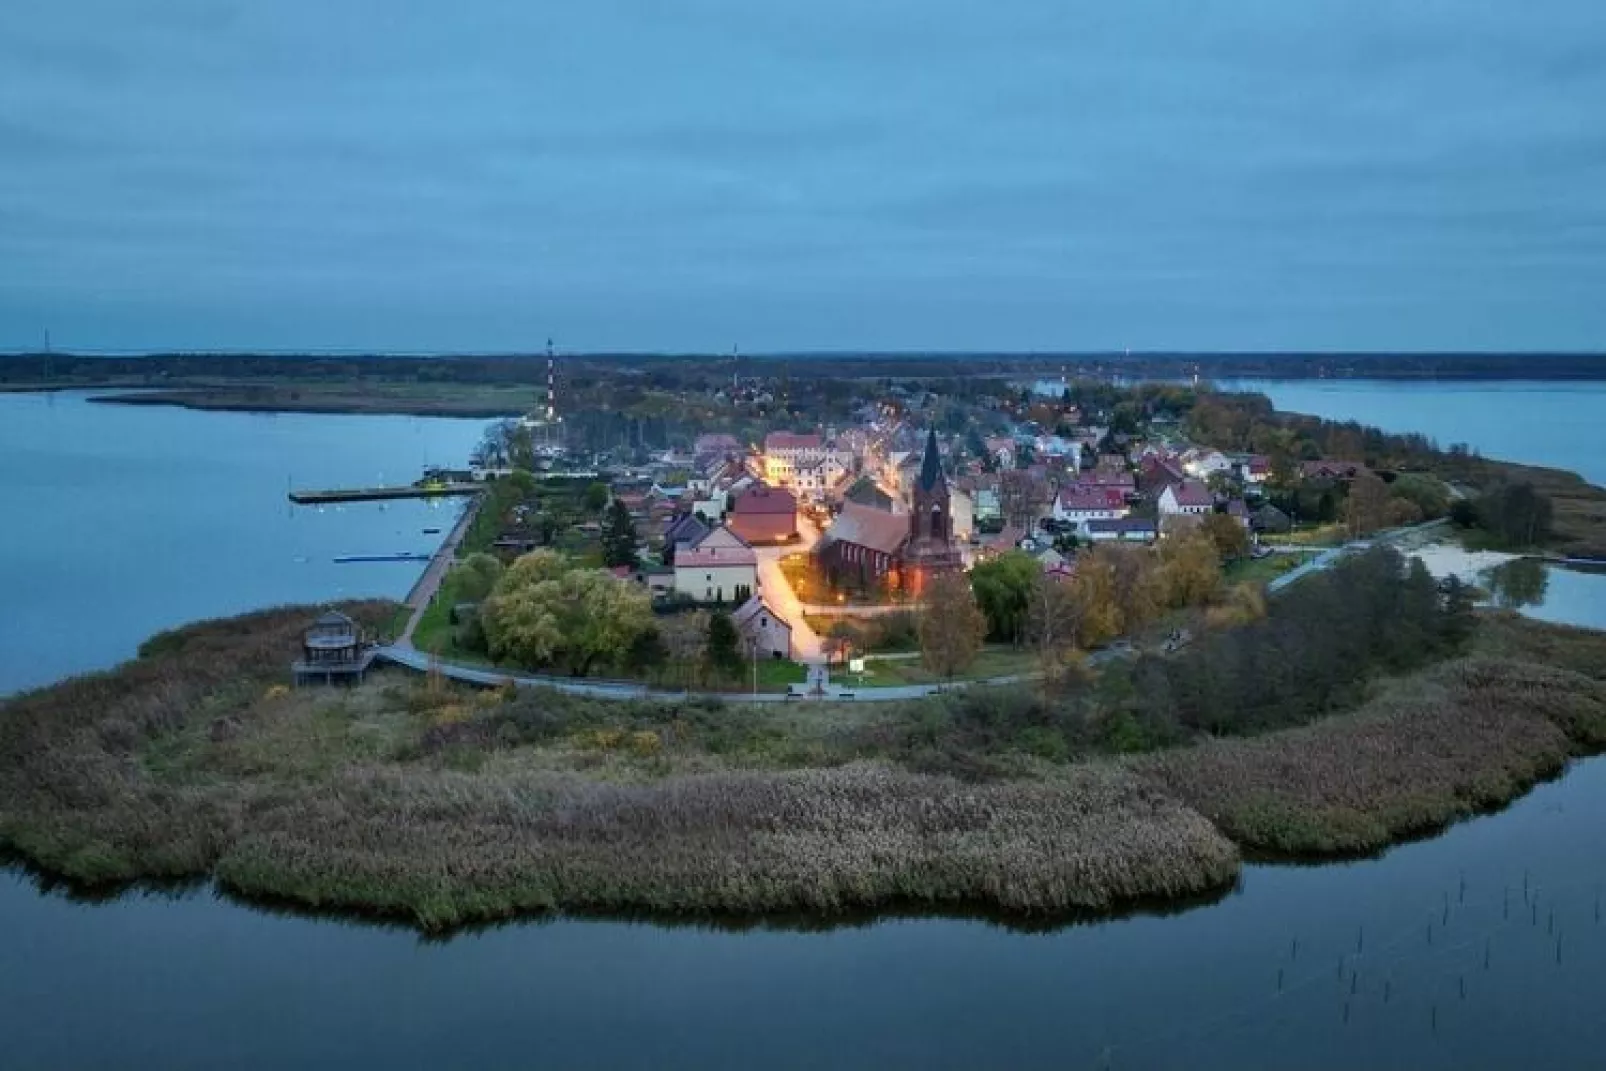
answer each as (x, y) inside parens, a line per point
(595, 497)
(1001, 587)
(1190, 569)
(1515, 514)
(619, 542)
(1230, 537)
(476, 576)
(1136, 587)
(544, 612)
(841, 640)
(1053, 620)
(951, 625)
(1366, 509)
(724, 643)
(1428, 493)
(1097, 606)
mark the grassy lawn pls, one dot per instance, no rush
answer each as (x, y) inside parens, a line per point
(1326, 535)
(893, 672)
(1263, 570)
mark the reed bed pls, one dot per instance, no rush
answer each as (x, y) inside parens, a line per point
(442, 848)
(1466, 736)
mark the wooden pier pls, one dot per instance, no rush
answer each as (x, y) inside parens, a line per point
(380, 494)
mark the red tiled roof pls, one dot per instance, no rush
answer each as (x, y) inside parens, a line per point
(786, 440)
(762, 498)
(1191, 493)
(1078, 497)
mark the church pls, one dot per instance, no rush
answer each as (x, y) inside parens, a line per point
(866, 547)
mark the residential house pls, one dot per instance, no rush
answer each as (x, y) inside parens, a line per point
(1204, 463)
(1332, 471)
(720, 568)
(686, 530)
(1078, 503)
(715, 447)
(764, 633)
(1001, 449)
(1187, 497)
(764, 514)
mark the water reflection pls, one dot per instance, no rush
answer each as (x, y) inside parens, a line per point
(1518, 583)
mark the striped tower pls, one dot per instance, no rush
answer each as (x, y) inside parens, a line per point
(551, 384)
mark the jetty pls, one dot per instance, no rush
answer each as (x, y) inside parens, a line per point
(379, 494)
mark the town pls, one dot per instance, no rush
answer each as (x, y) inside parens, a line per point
(927, 533)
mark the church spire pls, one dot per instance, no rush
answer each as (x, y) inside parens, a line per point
(930, 465)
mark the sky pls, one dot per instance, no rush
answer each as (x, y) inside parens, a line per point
(692, 175)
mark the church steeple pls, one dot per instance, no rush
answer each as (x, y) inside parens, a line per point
(931, 464)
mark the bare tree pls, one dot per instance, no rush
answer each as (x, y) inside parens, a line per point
(951, 624)
(1053, 619)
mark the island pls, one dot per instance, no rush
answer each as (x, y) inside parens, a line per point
(976, 647)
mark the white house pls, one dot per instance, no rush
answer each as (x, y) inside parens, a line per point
(720, 568)
(1125, 530)
(961, 513)
(1075, 505)
(1204, 463)
(765, 634)
(1187, 497)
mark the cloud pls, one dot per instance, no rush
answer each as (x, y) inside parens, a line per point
(1346, 173)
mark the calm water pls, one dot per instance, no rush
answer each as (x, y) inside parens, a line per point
(122, 520)
(194, 982)
(1556, 424)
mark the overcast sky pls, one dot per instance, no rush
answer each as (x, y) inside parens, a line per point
(820, 174)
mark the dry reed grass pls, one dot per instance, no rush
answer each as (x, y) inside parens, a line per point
(444, 848)
(1466, 736)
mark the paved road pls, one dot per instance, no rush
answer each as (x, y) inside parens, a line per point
(772, 584)
(412, 658)
(424, 590)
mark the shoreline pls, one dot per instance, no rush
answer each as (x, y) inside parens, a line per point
(250, 804)
(229, 403)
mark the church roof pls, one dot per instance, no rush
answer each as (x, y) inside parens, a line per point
(931, 464)
(868, 527)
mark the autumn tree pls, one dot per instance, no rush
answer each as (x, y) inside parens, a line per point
(1137, 588)
(1366, 509)
(1053, 621)
(1190, 569)
(1230, 537)
(1097, 602)
(952, 626)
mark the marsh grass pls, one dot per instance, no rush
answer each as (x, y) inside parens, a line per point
(1463, 737)
(441, 806)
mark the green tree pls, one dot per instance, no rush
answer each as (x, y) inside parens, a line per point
(1515, 514)
(544, 613)
(620, 544)
(1428, 493)
(724, 643)
(594, 497)
(476, 576)
(1002, 586)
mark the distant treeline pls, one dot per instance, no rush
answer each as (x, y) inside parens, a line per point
(527, 368)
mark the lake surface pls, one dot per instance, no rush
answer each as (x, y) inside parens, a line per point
(1562, 425)
(123, 520)
(101, 545)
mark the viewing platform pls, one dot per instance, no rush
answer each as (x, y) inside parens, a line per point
(378, 494)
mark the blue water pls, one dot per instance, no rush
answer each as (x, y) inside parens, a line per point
(1541, 423)
(155, 981)
(122, 520)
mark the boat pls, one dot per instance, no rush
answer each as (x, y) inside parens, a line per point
(432, 531)
(346, 559)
